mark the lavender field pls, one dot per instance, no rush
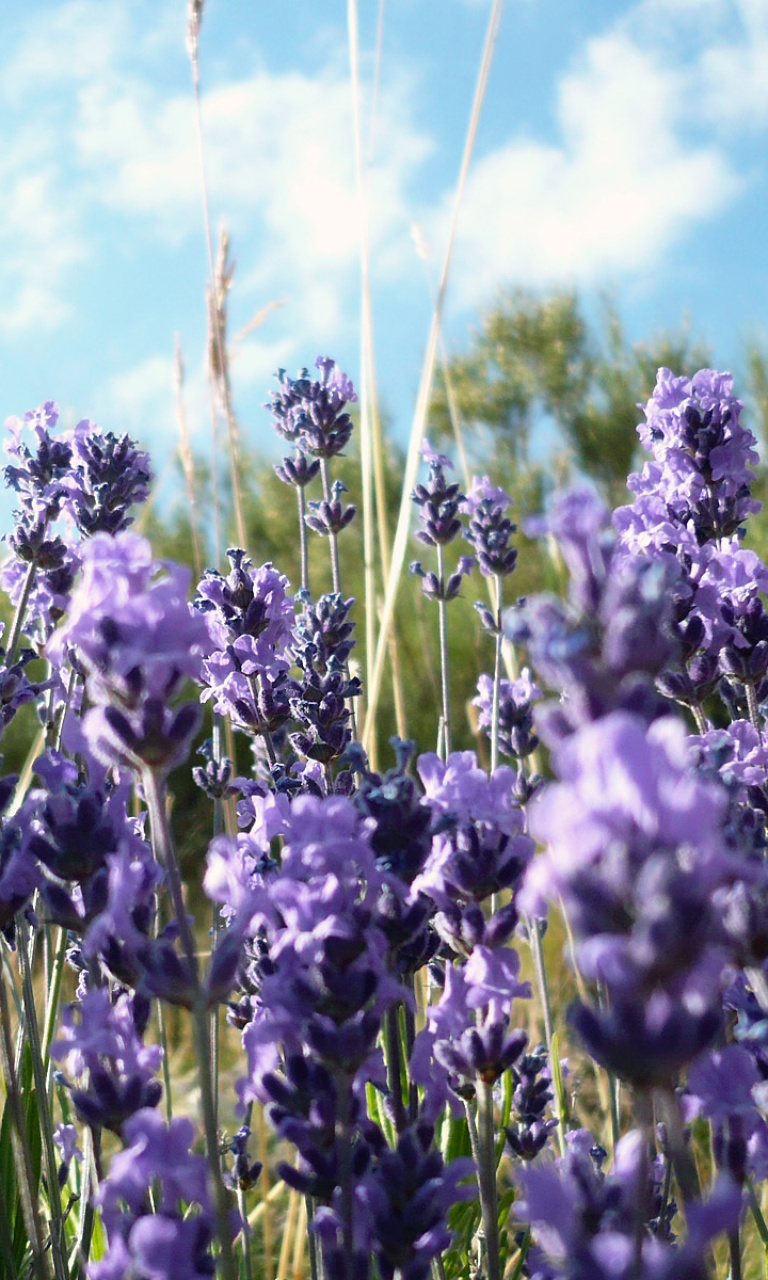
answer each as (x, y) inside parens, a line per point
(291, 989)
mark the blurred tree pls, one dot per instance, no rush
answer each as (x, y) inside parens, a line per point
(534, 365)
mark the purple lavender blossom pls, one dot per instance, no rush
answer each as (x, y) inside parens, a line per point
(635, 850)
(438, 501)
(249, 615)
(691, 504)
(330, 516)
(703, 454)
(529, 1133)
(101, 1045)
(434, 586)
(590, 1224)
(409, 1193)
(160, 1238)
(602, 648)
(490, 528)
(138, 640)
(108, 476)
(319, 700)
(311, 412)
(19, 871)
(37, 477)
(516, 697)
(298, 471)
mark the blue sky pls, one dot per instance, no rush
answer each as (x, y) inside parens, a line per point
(622, 147)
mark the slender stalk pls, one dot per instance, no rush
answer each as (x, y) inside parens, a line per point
(19, 1140)
(613, 1083)
(91, 1163)
(266, 1194)
(6, 1245)
(734, 1253)
(757, 1214)
(425, 388)
(315, 1265)
(154, 792)
(14, 635)
(754, 710)
(218, 286)
(297, 1261)
(392, 1052)
(40, 1073)
(289, 1232)
(333, 540)
(336, 578)
(54, 992)
(410, 1036)
(445, 684)
(344, 1148)
(481, 1137)
(366, 330)
(757, 981)
(497, 592)
(542, 986)
(685, 1168)
(187, 458)
(302, 501)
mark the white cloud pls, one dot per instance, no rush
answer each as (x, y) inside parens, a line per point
(41, 241)
(278, 151)
(624, 183)
(142, 397)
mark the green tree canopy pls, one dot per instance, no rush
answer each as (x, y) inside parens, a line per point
(535, 360)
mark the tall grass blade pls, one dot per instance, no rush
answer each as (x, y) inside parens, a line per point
(425, 388)
(366, 326)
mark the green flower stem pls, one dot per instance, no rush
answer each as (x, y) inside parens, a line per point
(393, 1055)
(21, 1154)
(333, 539)
(7, 1258)
(246, 1270)
(154, 792)
(40, 1072)
(757, 981)
(17, 624)
(482, 1139)
(315, 1262)
(542, 986)
(54, 992)
(344, 1146)
(497, 599)
(685, 1167)
(219, 826)
(754, 710)
(302, 501)
(444, 679)
(90, 1180)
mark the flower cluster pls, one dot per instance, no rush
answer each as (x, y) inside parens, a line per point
(138, 640)
(373, 929)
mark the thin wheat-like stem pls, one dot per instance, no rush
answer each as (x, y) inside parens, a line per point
(40, 1075)
(185, 453)
(497, 593)
(425, 387)
(445, 682)
(366, 329)
(333, 540)
(19, 1141)
(303, 550)
(154, 791)
(218, 284)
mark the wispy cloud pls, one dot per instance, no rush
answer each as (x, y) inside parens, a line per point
(629, 175)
